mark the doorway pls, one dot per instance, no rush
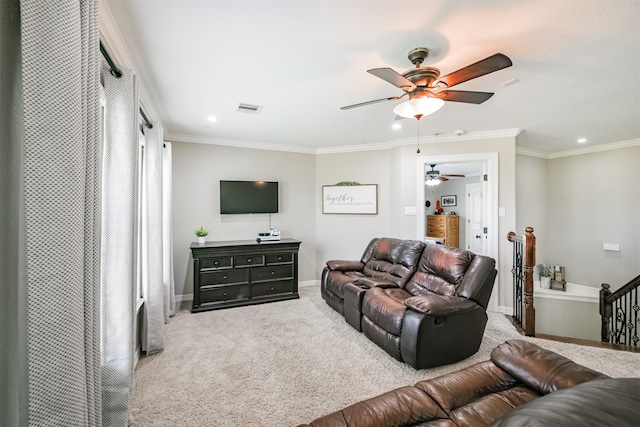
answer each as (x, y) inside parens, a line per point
(489, 200)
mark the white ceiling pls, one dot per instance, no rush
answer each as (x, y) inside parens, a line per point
(577, 63)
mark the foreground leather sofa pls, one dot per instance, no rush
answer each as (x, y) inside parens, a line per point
(522, 385)
(425, 305)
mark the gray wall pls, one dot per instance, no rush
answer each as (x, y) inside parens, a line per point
(197, 170)
(575, 204)
(532, 200)
(595, 199)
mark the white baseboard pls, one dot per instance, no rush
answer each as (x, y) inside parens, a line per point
(309, 283)
(505, 310)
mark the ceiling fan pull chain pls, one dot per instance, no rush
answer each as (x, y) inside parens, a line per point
(418, 117)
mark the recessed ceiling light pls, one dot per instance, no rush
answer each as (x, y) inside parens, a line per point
(582, 140)
(397, 126)
(212, 119)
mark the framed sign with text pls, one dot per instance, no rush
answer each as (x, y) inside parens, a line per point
(350, 199)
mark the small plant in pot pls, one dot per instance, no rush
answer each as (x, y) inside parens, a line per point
(201, 233)
(545, 275)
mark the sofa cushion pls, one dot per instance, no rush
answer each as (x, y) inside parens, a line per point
(385, 308)
(604, 402)
(440, 270)
(461, 388)
(393, 259)
(336, 280)
(540, 369)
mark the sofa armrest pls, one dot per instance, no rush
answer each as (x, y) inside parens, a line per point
(370, 282)
(439, 305)
(539, 368)
(341, 265)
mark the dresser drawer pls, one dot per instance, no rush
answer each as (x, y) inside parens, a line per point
(283, 258)
(224, 293)
(248, 260)
(271, 273)
(224, 277)
(272, 288)
(215, 262)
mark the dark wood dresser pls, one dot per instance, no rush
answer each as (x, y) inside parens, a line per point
(243, 272)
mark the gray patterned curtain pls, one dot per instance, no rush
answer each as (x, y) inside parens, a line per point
(13, 315)
(119, 242)
(157, 278)
(50, 89)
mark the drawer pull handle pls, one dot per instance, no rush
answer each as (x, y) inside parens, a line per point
(273, 272)
(224, 294)
(249, 260)
(216, 263)
(279, 258)
(224, 277)
(271, 288)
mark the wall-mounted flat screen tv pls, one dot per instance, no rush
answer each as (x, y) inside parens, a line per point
(248, 197)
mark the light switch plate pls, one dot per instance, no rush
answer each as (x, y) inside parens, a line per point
(410, 210)
(502, 211)
(611, 247)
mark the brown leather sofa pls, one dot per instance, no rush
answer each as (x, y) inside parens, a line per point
(425, 305)
(522, 385)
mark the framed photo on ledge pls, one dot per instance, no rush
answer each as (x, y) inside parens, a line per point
(447, 201)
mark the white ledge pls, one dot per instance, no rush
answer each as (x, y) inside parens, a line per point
(574, 292)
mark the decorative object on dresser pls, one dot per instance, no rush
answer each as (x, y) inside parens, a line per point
(243, 272)
(444, 228)
(201, 233)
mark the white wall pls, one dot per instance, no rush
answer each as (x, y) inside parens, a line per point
(197, 170)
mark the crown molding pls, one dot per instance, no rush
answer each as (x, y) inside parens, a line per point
(532, 153)
(595, 148)
(430, 139)
(113, 41)
(578, 151)
(237, 143)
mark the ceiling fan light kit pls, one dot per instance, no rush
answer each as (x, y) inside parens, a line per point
(422, 106)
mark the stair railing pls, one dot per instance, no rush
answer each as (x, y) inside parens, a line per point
(619, 312)
(524, 261)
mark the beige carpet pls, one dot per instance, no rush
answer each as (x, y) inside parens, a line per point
(285, 363)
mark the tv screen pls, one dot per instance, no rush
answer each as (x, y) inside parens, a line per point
(248, 197)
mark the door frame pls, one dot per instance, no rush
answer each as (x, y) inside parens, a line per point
(490, 201)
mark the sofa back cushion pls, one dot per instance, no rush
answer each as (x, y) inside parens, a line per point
(392, 259)
(539, 368)
(440, 270)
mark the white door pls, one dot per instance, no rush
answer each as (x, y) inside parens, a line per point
(475, 238)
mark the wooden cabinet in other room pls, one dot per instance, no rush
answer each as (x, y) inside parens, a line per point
(444, 227)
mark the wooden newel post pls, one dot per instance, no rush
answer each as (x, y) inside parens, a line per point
(606, 312)
(529, 312)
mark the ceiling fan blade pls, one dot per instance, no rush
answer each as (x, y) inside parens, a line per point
(451, 175)
(463, 96)
(485, 66)
(375, 101)
(393, 77)
(442, 178)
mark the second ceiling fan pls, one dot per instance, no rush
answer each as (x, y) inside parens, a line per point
(425, 82)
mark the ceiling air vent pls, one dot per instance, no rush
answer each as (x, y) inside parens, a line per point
(249, 108)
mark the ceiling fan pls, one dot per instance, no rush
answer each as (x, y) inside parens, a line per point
(426, 83)
(433, 177)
